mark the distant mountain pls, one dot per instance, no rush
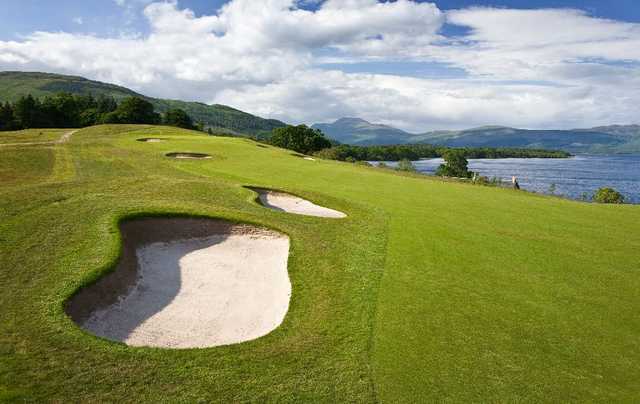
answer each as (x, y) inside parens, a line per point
(219, 117)
(359, 131)
(606, 139)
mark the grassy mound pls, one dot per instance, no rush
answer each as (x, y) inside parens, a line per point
(428, 290)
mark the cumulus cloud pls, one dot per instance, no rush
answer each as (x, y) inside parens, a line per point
(531, 68)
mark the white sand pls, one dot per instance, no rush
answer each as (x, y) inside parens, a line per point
(309, 158)
(189, 156)
(293, 204)
(205, 292)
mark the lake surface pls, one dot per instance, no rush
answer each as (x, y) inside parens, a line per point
(571, 177)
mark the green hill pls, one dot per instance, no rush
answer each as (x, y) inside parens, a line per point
(219, 117)
(428, 291)
(606, 139)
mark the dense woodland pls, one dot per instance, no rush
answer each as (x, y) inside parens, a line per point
(418, 151)
(65, 110)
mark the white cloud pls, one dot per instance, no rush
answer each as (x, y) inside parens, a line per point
(532, 68)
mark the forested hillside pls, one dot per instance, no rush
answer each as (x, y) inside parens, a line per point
(220, 118)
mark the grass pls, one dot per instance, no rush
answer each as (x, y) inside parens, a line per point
(428, 291)
(31, 136)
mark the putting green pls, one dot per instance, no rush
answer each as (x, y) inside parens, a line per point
(426, 291)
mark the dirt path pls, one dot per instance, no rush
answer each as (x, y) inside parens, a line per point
(66, 136)
(63, 168)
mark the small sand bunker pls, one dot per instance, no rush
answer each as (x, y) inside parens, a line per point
(292, 204)
(309, 158)
(184, 155)
(189, 283)
(150, 140)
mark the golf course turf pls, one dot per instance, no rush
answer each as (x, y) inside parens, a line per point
(426, 291)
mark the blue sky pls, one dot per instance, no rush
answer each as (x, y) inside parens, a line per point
(417, 65)
(105, 17)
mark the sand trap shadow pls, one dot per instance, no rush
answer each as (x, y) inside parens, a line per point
(262, 146)
(151, 140)
(284, 202)
(185, 155)
(189, 283)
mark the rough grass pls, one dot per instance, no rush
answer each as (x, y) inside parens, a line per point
(428, 291)
(31, 136)
(22, 165)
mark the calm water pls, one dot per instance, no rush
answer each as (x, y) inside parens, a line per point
(572, 177)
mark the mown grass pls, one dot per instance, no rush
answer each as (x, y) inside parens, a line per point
(428, 291)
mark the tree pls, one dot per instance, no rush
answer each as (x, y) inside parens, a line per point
(456, 165)
(406, 165)
(133, 110)
(299, 138)
(7, 121)
(63, 110)
(26, 111)
(178, 117)
(106, 104)
(608, 195)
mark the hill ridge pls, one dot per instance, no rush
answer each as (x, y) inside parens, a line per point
(221, 118)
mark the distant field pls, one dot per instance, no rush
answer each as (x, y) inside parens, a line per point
(428, 291)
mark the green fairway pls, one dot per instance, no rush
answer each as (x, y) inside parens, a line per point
(427, 291)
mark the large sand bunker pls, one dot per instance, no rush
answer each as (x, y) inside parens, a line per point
(292, 204)
(185, 155)
(189, 283)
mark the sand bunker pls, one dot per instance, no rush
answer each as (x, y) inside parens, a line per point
(292, 204)
(189, 283)
(183, 155)
(150, 140)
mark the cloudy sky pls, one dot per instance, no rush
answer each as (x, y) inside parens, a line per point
(413, 64)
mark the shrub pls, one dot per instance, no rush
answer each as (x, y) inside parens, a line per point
(608, 195)
(406, 165)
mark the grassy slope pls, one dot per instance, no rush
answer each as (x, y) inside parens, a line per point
(428, 290)
(222, 118)
(31, 136)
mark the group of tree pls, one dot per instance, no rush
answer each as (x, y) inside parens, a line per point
(418, 151)
(301, 139)
(65, 110)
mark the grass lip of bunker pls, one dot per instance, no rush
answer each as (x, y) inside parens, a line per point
(188, 156)
(188, 283)
(151, 139)
(285, 202)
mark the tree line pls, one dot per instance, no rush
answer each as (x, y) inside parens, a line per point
(419, 151)
(65, 110)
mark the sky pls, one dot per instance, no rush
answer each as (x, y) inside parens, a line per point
(416, 65)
